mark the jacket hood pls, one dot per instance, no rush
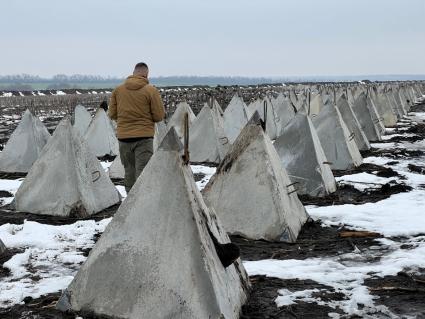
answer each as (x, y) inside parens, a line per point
(134, 82)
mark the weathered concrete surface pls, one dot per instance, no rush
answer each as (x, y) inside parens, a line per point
(252, 193)
(302, 156)
(284, 110)
(385, 111)
(116, 170)
(160, 131)
(337, 142)
(24, 146)
(100, 135)
(156, 259)
(352, 123)
(67, 179)
(81, 119)
(235, 118)
(207, 140)
(271, 118)
(177, 119)
(367, 118)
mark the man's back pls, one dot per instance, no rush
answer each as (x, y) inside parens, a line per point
(136, 106)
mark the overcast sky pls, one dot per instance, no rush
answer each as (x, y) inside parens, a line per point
(213, 37)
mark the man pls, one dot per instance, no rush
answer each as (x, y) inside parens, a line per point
(136, 106)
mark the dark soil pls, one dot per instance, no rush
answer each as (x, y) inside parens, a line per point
(8, 215)
(314, 240)
(5, 194)
(107, 158)
(416, 169)
(5, 175)
(377, 170)
(404, 293)
(347, 194)
(418, 108)
(393, 153)
(4, 272)
(265, 291)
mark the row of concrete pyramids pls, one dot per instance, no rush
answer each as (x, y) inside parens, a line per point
(252, 195)
(158, 258)
(29, 138)
(299, 141)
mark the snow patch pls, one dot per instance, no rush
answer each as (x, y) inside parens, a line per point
(51, 256)
(205, 170)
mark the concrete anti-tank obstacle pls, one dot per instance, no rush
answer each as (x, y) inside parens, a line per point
(367, 118)
(159, 256)
(301, 154)
(284, 111)
(176, 119)
(337, 141)
(24, 145)
(266, 110)
(208, 141)
(66, 180)
(385, 111)
(81, 119)
(100, 135)
(352, 123)
(252, 193)
(235, 118)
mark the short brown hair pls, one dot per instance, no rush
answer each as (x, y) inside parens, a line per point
(141, 65)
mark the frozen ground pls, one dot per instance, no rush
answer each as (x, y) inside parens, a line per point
(47, 257)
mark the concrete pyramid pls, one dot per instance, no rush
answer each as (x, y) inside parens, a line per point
(252, 193)
(377, 119)
(272, 118)
(284, 111)
(337, 141)
(397, 100)
(116, 170)
(391, 101)
(352, 123)
(24, 145)
(66, 180)
(158, 257)
(160, 131)
(208, 142)
(235, 118)
(171, 141)
(177, 119)
(385, 111)
(81, 119)
(367, 118)
(403, 100)
(100, 135)
(217, 106)
(302, 156)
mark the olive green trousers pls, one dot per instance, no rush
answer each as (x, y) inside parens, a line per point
(134, 157)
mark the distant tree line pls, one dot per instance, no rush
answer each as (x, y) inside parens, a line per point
(27, 82)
